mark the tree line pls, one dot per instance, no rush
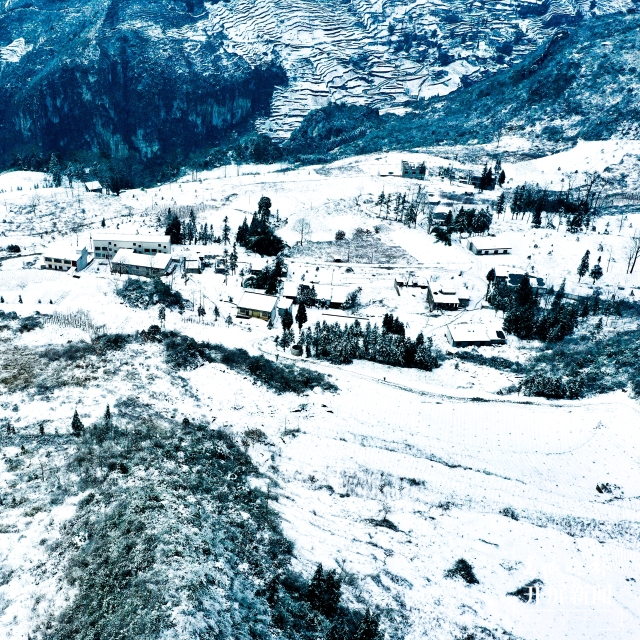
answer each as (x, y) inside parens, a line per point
(471, 221)
(343, 345)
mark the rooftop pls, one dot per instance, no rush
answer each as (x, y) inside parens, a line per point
(130, 237)
(151, 261)
(257, 302)
(487, 242)
(63, 252)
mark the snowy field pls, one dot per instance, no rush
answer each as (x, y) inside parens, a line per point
(506, 482)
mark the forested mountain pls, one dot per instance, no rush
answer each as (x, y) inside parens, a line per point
(149, 84)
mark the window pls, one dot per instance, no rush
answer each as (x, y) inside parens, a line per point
(74, 263)
(146, 250)
(47, 259)
(496, 251)
(67, 261)
(56, 260)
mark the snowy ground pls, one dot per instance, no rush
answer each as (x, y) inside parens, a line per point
(438, 453)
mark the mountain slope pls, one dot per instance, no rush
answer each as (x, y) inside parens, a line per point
(157, 81)
(583, 84)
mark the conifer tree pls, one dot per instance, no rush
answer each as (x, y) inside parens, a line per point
(491, 278)
(233, 259)
(596, 273)
(287, 320)
(583, 267)
(500, 204)
(502, 177)
(325, 591)
(369, 628)
(301, 315)
(77, 428)
(226, 231)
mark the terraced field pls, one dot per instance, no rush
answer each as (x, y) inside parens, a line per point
(385, 54)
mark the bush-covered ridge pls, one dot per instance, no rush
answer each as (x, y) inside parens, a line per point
(172, 538)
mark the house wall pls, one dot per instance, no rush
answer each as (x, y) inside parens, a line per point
(108, 248)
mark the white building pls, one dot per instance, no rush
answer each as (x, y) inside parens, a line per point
(474, 335)
(257, 305)
(136, 264)
(107, 244)
(93, 187)
(64, 258)
(487, 245)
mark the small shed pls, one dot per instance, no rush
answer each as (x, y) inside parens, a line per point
(284, 305)
(290, 289)
(93, 187)
(193, 265)
(257, 305)
(513, 278)
(487, 245)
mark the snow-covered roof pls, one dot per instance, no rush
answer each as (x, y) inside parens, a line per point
(94, 185)
(130, 237)
(445, 298)
(284, 303)
(486, 243)
(151, 261)
(290, 288)
(62, 252)
(469, 333)
(257, 302)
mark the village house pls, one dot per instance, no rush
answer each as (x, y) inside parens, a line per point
(107, 244)
(441, 298)
(136, 264)
(513, 278)
(487, 245)
(257, 305)
(473, 335)
(415, 171)
(64, 258)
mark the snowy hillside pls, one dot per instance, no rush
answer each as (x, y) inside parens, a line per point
(391, 478)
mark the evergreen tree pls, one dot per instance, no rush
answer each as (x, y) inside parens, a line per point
(287, 320)
(264, 209)
(287, 338)
(442, 235)
(228, 320)
(216, 312)
(325, 591)
(536, 218)
(500, 204)
(108, 423)
(520, 317)
(502, 177)
(596, 273)
(369, 628)
(233, 259)
(174, 230)
(77, 428)
(583, 267)
(226, 231)
(491, 278)
(301, 315)
(55, 171)
(380, 202)
(20, 299)
(242, 236)
(103, 223)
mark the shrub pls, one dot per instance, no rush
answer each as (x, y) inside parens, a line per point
(13, 248)
(528, 592)
(143, 294)
(510, 513)
(462, 569)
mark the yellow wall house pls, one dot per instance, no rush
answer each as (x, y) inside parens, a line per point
(257, 305)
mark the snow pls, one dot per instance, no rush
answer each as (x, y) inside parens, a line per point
(440, 454)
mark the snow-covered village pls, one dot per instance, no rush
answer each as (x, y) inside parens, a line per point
(319, 320)
(361, 329)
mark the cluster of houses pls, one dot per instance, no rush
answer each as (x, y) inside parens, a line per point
(141, 255)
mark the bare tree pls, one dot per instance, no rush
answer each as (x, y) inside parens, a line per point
(303, 227)
(633, 253)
